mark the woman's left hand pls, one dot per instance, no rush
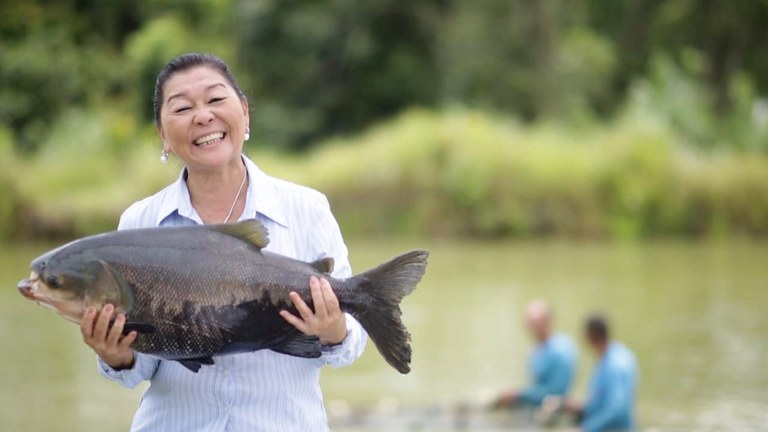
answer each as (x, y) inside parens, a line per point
(327, 322)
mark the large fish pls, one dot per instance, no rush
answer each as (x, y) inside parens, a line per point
(194, 292)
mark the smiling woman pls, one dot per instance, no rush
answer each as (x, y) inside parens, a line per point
(204, 112)
(202, 117)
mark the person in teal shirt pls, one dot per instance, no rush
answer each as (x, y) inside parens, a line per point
(551, 365)
(611, 399)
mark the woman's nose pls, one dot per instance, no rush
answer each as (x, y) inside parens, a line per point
(203, 116)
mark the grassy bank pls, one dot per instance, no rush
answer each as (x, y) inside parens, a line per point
(469, 174)
(456, 173)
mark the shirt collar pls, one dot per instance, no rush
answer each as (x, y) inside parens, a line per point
(261, 198)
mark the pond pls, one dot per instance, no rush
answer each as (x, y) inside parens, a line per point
(694, 313)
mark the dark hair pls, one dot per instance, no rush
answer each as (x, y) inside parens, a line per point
(185, 62)
(597, 327)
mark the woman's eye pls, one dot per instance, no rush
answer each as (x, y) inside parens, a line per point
(217, 99)
(182, 109)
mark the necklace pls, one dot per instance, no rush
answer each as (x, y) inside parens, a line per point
(237, 197)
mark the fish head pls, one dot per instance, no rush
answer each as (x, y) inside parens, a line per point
(70, 282)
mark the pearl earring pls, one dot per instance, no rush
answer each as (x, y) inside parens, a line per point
(164, 157)
(247, 135)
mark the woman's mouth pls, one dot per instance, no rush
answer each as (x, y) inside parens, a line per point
(209, 139)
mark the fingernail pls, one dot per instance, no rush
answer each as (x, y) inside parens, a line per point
(90, 310)
(108, 308)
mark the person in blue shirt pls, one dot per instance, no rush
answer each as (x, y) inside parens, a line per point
(551, 365)
(609, 406)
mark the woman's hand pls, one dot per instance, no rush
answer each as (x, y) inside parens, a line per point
(108, 342)
(328, 322)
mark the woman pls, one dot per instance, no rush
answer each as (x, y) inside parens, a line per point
(202, 117)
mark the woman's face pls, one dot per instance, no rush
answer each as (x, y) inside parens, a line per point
(203, 119)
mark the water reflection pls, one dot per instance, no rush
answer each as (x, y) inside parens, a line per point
(693, 313)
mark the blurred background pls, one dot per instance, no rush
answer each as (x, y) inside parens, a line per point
(603, 154)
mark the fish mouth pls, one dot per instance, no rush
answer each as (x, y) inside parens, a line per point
(26, 288)
(30, 289)
(71, 310)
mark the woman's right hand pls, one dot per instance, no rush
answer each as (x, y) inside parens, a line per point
(108, 342)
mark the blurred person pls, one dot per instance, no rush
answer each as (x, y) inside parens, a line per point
(551, 365)
(203, 119)
(611, 397)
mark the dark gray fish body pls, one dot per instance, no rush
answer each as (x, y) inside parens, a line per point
(195, 292)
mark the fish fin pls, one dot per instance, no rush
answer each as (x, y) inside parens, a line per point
(323, 265)
(251, 231)
(385, 286)
(194, 364)
(300, 346)
(141, 328)
(111, 286)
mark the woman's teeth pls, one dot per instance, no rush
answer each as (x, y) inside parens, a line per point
(208, 139)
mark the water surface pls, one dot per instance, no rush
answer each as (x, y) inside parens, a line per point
(694, 313)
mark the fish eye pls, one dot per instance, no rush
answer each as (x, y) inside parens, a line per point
(52, 282)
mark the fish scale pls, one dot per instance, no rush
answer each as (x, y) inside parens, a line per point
(194, 292)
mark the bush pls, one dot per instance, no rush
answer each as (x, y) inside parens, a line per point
(456, 173)
(10, 201)
(91, 168)
(468, 173)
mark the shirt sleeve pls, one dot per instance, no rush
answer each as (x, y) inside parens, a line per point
(144, 367)
(554, 380)
(536, 392)
(348, 350)
(331, 243)
(616, 403)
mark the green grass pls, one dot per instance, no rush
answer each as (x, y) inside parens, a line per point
(454, 173)
(464, 173)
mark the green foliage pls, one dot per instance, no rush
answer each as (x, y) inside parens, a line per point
(58, 55)
(322, 67)
(37, 89)
(148, 50)
(469, 174)
(90, 170)
(675, 96)
(10, 200)
(633, 118)
(457, 173)
(168, 35)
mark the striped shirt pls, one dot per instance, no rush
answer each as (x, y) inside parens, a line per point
(256, 391)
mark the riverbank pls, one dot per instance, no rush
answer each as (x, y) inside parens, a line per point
(451, 174)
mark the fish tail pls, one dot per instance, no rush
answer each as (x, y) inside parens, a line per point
(384, 287)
